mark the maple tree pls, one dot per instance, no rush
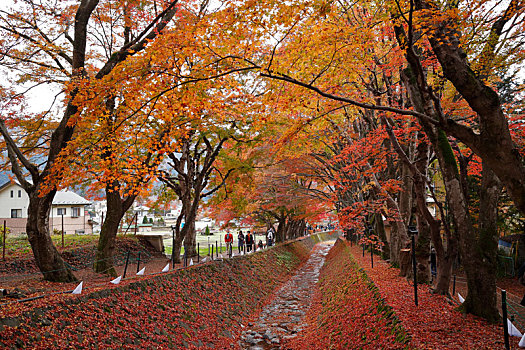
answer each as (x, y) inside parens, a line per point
(358, 74)
(37, 37)
(190, 171)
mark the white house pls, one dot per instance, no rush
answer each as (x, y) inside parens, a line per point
(68, 210)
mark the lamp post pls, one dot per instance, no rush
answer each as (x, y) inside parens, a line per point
(412, 231)
(62, 229)
(370, 233)
(173, 227)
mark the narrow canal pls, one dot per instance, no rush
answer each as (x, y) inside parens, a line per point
(283, 318)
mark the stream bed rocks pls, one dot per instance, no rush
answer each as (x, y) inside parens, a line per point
(282, 318)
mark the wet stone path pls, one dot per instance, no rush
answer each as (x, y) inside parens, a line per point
(282, 318)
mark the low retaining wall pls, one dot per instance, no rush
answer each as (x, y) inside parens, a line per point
(201, 306)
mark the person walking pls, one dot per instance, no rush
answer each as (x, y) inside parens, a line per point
(249, 241)
(270, 236)
(433, 263)
(228, 239)
(240, 239)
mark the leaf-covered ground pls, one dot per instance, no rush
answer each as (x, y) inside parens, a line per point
(359, 307)
(348, 312)
(435, 323)
(201, 306)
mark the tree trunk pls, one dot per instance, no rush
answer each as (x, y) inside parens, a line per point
(175, 252)
(380, 229)
(190, 240)
(423, 250)
(117, 207)
(481, 275)
(47, 258)
(494, 143)
(405, 262)
(280, 235)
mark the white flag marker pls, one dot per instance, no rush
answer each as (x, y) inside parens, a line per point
(512, 329)
(141, 272)
(166, 268)
(521, 344)
(461, 299)
(191, 262)
(78, 289)
(116, 280)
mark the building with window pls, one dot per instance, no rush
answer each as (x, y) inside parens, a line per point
(68, 210)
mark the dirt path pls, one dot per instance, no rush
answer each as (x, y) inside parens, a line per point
(282, 318)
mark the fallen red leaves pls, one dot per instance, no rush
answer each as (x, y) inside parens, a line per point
(435, 323)
(347, 311)
(202, 306)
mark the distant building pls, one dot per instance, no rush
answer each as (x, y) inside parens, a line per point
(68, 209)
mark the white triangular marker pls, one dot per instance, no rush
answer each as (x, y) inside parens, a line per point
(78, 289)
(116, 280)
(220, 256)
(461, 299)
(166, 268)
(191, 262)
(205, 259)
(141, 272)
(521, 344)
(512, 329)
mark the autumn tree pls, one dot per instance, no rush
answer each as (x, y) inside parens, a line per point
(50, 42)
(340, 71)
(188, 175)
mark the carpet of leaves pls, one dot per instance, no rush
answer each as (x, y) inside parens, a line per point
(435, 323)
(77, 254)
(199, 307)
(347, 311)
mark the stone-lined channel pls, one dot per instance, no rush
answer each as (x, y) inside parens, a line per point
(283, 318)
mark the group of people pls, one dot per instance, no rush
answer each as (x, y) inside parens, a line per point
(248, 241)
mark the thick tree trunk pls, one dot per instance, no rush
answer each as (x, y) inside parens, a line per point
(176, 249)
(104, 256)
(423, 250)
(395, 244)
(106, 243)
(190, 240)
(494, 143)
(481, 271)
(47, 258)
(405, 262)
(380, 229)
(280, 235)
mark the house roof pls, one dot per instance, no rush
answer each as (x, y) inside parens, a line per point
(68, 197)
(61, 197)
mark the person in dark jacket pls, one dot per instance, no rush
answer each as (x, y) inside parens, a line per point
(240, 239)
(433, 262)
(249, 241)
